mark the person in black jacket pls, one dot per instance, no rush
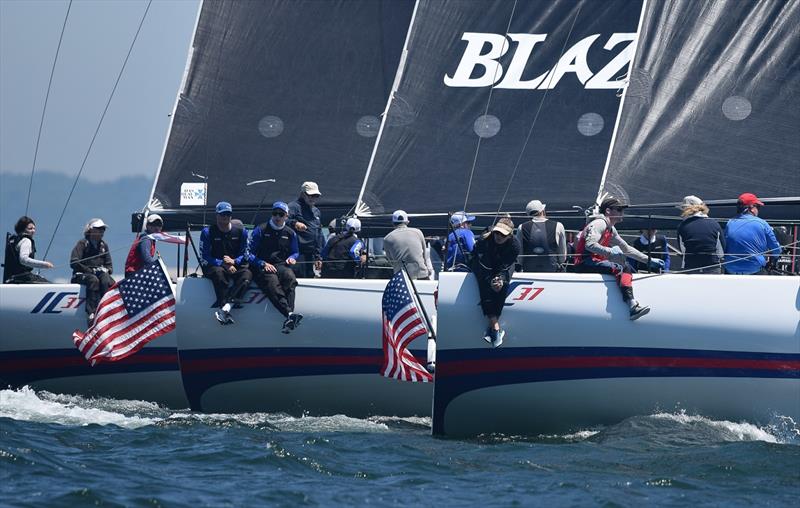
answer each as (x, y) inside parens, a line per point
(223, 247)
(700, 238)
(304, 218)
(91, 265)
(344, 254)
(273, 252)
(493, 260)
(20, 255)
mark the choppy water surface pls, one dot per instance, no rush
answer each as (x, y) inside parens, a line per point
(60, 450)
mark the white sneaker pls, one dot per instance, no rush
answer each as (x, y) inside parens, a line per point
(222, 316)
(497, 339)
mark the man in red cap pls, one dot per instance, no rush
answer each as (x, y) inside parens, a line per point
(749, 240)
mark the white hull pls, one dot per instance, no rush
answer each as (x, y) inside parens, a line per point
(329, 365)
(722, 346)
(36, 349)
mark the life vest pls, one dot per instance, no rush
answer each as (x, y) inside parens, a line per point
(226, 244)
(538, 243)
(134, 261)
(339, 263)
(275, 245)
(12, 266)
(605, 240)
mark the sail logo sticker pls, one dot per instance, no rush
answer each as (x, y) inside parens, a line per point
(49, 304)
(193, 194)
(526, 293)
(487, 71)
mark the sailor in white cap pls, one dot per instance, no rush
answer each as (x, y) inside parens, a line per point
(459, 242)
(543, 241)
(91, 265)
(406, 247)
(305, 219)
(143, 250)
(344, 254)
(700, 238)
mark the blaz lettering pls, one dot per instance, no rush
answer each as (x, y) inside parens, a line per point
(489, 71)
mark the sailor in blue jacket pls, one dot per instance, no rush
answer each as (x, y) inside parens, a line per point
(460, 242)
(748, 238)
(273, 251)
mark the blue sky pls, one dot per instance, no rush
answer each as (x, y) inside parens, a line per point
(98, 34)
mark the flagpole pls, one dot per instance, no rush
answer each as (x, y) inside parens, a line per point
(431, 333)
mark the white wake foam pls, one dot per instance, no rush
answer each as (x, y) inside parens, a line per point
(728, 431)
(26, 405)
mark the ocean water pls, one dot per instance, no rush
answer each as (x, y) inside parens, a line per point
(58, 450)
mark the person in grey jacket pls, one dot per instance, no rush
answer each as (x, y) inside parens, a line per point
(405, 247)
(91, 265)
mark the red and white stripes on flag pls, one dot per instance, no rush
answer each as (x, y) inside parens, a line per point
(402, 323)
(133, 312)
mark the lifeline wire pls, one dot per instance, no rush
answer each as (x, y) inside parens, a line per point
(97, 130)
(44, 108)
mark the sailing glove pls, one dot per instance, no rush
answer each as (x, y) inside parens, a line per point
(616, 251)
(657, 264)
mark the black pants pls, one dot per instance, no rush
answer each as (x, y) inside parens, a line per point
(491, 301)
(221, 278)
(27, 278)
(279, 287)
(96, 287)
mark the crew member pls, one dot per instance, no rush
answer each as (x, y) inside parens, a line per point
(700, 238)
(143, 250)
(273, 252)
(20, 255)
(493, 260)
(91, 265)
(750, 241)
(405, 247)
(460, 242)
(304, 218)
(654, 246)
(344, 254)
(223, 247)
(599, 241)
(543, 241)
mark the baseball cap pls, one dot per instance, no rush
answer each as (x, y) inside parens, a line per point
(280, 205)
(224, 207)
(459, 218)
(749, 199)
(611, 202)
(535, 206)
(154, 218)
(310, 188)
(96, 224)
(504, 226)
(354, 224)
(690, 201)
(400, 216)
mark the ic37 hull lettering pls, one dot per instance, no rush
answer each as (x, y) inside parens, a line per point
(481, 69)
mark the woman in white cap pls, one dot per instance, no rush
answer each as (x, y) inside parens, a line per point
(343, 255)
(143, 250)
(91, 265)
(700, 238)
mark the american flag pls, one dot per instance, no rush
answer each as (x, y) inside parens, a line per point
(402, 323)
(132, 313)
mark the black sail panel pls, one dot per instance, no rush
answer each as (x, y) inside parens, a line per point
(712, 108)
(290, 90)
(529, 133)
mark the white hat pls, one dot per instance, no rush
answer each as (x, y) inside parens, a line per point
(154, 217)
(535, 206)
(690, 201)
(311, 188)
(400, 216)
(354, 224)
(96, 224)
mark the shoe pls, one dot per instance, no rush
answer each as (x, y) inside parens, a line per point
(288, 325)
(638, 311)
(488, 335)
(229, 319)
(296, 318)
(222, 317)
(497, 337)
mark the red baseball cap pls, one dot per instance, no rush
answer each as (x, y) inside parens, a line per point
(749, 199)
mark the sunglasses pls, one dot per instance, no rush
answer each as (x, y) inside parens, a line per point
(279, 214)
(617, 208)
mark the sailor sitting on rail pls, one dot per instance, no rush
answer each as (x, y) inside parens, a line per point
(20, 253)
(600, 241)
(91, 265)
(273, 251)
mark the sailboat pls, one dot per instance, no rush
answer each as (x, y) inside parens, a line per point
(490, 104)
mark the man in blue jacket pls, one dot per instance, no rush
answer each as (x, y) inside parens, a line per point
(460, 242)
(223, 247)
(273, 252)
(748, 239)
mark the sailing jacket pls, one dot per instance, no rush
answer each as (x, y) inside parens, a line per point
(459, 243)
(491, 259)
(701, 241)
(214, 244)
(98, 255)
(407, 245)
(142, 252)
(342, 255)
(545, 242)
(311, 240)
(595, 239)
(656, 249)
(19, 257)
(747, 239)
(273, 245)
